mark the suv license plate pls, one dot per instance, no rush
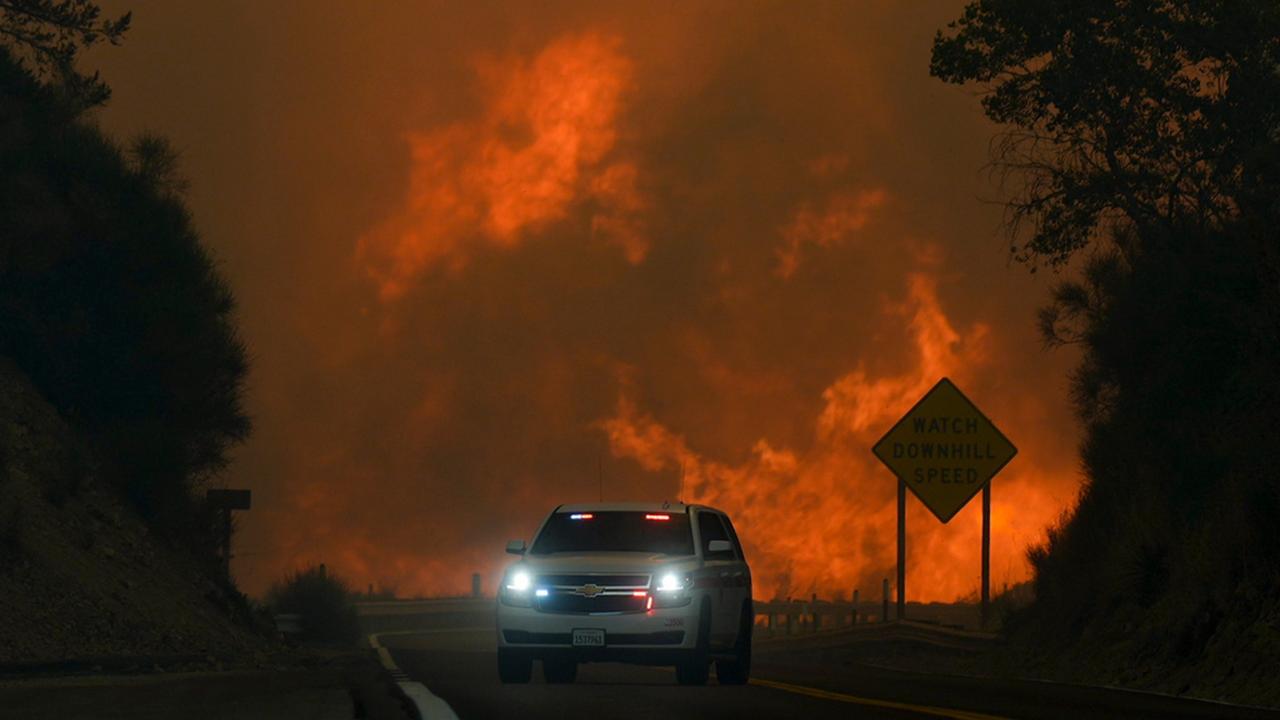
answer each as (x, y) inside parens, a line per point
(590, 637)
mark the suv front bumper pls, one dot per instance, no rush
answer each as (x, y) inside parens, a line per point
(660, 636)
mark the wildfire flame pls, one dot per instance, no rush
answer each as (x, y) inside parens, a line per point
(408, 492)
(846, 212)
(543, 143)
(824, 520)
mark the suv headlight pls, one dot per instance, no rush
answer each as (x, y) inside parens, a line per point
(672, 582)
(517, 588)
(672, 589)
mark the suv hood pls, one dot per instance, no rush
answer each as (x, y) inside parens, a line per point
(605, 562)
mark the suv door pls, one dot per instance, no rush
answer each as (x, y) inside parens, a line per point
(719, 568)
(738, 591)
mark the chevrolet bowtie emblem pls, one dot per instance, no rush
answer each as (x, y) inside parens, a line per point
(590, 590)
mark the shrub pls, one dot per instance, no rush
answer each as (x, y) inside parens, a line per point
(322, 600)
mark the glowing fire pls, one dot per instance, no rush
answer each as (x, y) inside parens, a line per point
(825, 520)
(547, 151)
(845, 213)
(543, 144)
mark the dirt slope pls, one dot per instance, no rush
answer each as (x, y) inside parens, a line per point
(81, 578)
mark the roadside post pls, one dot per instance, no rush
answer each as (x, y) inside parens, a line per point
(902, 550)
(224, 501)
(986, 552)
(884, 613)
(946, 451)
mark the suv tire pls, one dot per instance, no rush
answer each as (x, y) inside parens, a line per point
(694, 669)
(738, 670)
(514, 666)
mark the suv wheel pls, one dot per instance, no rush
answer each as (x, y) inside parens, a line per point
(694, 669)
(738, 670)
(513, 666)
(560, 670)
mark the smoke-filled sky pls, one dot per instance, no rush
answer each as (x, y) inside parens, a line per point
(495, 257)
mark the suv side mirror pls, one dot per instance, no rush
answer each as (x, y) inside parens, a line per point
(718, 546)
(517, 547)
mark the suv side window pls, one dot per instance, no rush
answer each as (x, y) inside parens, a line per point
(712, 529)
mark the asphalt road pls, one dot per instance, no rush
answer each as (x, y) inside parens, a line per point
(459, 665)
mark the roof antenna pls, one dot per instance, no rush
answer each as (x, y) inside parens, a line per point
(681, 495)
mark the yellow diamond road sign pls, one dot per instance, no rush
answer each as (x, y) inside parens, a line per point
(945, 450)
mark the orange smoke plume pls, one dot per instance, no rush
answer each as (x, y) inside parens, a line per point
(824, 520)
(846, 213)
(543, 144)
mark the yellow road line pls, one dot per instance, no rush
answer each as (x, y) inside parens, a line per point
(841, 697)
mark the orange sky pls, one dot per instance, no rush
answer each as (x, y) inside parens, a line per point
(485, 252)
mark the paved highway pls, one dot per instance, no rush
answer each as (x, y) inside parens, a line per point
(456, 659)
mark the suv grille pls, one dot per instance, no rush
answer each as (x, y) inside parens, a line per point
(567, 603)
(587, 594)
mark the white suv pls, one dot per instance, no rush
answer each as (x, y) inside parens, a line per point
(653, 584)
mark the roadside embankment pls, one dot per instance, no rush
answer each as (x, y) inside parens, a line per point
(315, 686)
(82, 579)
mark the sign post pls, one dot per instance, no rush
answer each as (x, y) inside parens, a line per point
(224, 501)
(902, 549)
(945, 450)
(986, 551)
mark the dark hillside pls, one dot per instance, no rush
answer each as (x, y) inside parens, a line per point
(121, 374)
(81, 576)
(1167, 574)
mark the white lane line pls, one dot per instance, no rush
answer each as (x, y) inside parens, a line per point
(430, 707)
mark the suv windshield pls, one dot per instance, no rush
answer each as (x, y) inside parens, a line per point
(612, 531)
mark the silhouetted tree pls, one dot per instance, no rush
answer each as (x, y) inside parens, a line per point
(1160, 113)
(46, 35)
(110, 303)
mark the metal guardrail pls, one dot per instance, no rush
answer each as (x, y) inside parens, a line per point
(789, 617)
(289, 624)
(420, 606)
(794, 617)
(773, 617)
